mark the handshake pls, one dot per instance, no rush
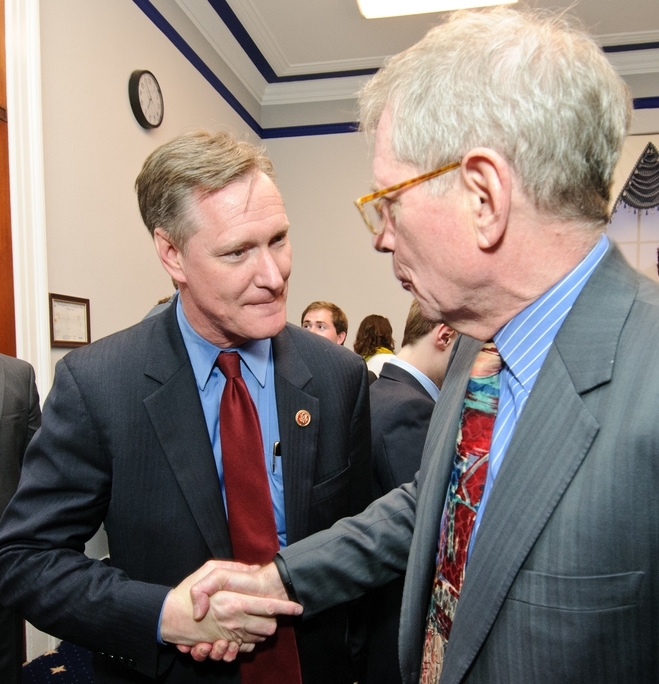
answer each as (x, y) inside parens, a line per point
(224, 608)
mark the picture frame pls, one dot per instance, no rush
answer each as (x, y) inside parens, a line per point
(69, 321)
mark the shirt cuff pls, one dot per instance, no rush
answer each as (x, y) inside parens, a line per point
(285, 577)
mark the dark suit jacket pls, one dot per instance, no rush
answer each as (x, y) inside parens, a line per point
(400, 414)
(563, 582)
(401, 409)
(124, 443)
(20, 418)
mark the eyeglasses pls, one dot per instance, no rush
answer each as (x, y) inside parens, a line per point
(371, 207)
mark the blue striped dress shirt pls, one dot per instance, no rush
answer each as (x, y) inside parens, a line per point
(258, 371)
(524, 343)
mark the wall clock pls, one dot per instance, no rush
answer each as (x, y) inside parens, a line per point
(146, 98)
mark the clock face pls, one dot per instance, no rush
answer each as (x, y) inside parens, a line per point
(146, 99)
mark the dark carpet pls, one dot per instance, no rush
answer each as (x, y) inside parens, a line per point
(68, 664)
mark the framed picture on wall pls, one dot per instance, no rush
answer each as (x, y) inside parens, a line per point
(69, 321)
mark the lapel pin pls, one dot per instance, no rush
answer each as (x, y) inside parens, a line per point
(303, 418)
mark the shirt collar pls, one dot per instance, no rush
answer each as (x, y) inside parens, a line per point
(425, 381)
(525, 340)
(254, 353)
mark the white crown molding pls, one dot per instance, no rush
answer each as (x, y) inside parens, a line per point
(337, 65)
(252, 21)
(320, 90)
(635, 61)
(628, 38)
(214, 30)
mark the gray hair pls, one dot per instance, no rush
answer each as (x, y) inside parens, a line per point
(192, 166)
(526, 84)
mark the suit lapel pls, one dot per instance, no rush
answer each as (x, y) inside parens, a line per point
(550, 442)
(299, 443)
(178, 420)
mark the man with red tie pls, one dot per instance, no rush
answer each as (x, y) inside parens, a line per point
(212, 430)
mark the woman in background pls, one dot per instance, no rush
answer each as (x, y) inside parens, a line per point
(374, 343)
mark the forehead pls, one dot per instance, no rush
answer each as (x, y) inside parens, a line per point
(252, 199)
(319, 314)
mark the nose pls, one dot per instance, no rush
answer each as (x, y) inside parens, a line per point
(384, 242)
(270, 273)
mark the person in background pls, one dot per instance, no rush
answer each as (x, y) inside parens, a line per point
(326, 319)
(402, 402)
(403, 399)
(213, 430)
(20, 418)
(374, 342)
(162, 304)
(530, 536)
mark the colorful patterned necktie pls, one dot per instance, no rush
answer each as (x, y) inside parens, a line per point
(472, 452)
(251, 518)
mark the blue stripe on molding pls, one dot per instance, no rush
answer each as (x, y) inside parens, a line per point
(228, 16)
(316, 129)
(232, 22)
(198, 63)
(631, 47)
(646, 103)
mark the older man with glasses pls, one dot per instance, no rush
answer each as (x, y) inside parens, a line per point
(530, 536)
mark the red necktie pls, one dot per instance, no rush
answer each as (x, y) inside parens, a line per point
(472, 453)
(251, 518)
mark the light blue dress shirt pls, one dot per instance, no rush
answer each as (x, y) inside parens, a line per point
(425, 381)
(258, 371)
(524, 343)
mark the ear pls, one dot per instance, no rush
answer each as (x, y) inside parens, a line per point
(170, 255)
(444, 336)
(342, 337)
(487, 177)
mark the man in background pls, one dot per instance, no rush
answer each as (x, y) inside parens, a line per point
(403, 399)
(326, 319)
(213, 430)
(402, 402)
(20, 418)
(530, 536)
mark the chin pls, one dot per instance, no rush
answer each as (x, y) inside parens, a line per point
(268, 327)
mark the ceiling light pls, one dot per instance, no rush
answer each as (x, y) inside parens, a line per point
(374, 9)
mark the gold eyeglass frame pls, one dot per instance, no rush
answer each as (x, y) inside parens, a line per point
(359, 203)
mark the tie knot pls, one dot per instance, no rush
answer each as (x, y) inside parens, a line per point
(229, 364)
(488, 361)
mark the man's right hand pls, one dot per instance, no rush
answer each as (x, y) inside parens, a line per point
(232, 621)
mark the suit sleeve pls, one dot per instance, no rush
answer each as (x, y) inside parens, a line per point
(354, 555)
(34, 415)
(61, 502)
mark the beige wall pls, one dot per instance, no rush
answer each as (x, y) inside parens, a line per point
(333, 258)
(98, 247)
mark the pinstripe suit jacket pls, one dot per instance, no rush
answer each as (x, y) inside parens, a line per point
(563, 583)
(20, 417)
(124, 442)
